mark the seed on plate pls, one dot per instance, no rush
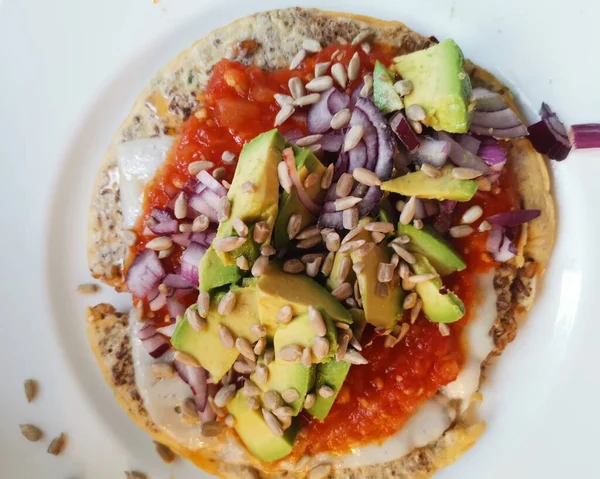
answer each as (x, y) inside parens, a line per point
(290, 353)
(294, 225)
(308, 140)
(283, 412)
(258, 329)
(351, 246)
(242, 263)
(260, 266)
(320, 84)
(484, 226)
(352, 234)
(365, 47)
(224, 395)
(219, 173)
(403, 87)
(320, 348)
(346, 202)
(354, 357)
(414, 312)
(309, 242)
(365, 249)
(345, 266)
(306, 358)
(403, 253)
(410, 301)
(272, 422)
(245, 349)
(380, 226)
(203, 303)
(408, 211)
(135, 475)
(293, 266)
(312, 267)
(367, 87)
(444, 329)
(285, 314)
(431, 171)
(242, 367)
(185, 227)
(421, 278)
(402, 239)
(340, 119)
(298, 59)
(272, 399)
(309, 232)
(344, 185)
(31, 432)
(261, 232)
(483, 184)
(57, 445)
(283, 100)
(197, 166)
(353, 137)
(307, 99)
(361, 37)
(327, 177)
(311, 45)
(88, 288)
(326, 391)
(354, 67)
(186, 359)
(262, 372)
(316, 321)
(240, 227)
(338, 72)
(416, 126)
(460, 231)
(180, 208)
(160, 243)
(283, 114)
(366, 177)
(211, 428)
(296, 89)
(342, 292)
(465, 173)
(253, 403)
(472, 214)
(269, 356)
(200, 224)
(328, 264)
(283, 174)
(165, 253)
(228, 244)
(227, 303)
(226, 337)
(197, 323)
(332, 242)
(290, 395)
(350, 218)
(385, 272)
(250, 389)
(309, 401)
(229, 158)
(321, 68)
(415, 113)
(31, 389)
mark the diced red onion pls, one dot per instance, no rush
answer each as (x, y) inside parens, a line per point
(167, 330)
(492, 152)
(190, 260)
(461, 157)
(469, 143)
(432, 152)
(337, 101)
(166, 224)
(319, 116)
(547, 142)
(146, 331)
(158, 302)
(204, 238)
(144, 274)
(197, 379)
(200, 187)
(156, 344)
(307, 201)
(211, 198)
(177, 281)
(500, 246)
(175, 308)
(331, 220)
(292, 135)
(370, 139)
(201, 206)
(514, 218)
(585, 136)
(404, 132)
(207, 179)
(182, 239)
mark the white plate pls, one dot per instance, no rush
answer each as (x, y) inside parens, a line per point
(71, 70)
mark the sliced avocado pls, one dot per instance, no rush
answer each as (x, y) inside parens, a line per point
(439, 304)
(256, 435)
(334, 279)
(380, 311)
(277, 289)
(445, 187)
(299, 331)
(206, 345)
(212, 273)
(285, 375)
(385, 96)
(440, 85)
(289, 203)
(427, 242)
(257, 164)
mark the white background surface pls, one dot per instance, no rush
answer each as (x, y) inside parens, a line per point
(69, 71)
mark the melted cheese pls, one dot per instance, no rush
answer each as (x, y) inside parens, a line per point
(138, 161)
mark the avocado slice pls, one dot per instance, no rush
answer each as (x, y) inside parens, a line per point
(380, 311)
(427, 242)
(206, 345)
(385, 96)
(289, 203)
(284, 375)
(257, 164)
(439, 304)
(445, 187)
(212, 273)
(440, 85)
(300, 332)
(256, 435)
(334, 279)
(277, 289)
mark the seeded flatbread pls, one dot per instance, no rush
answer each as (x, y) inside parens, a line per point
(270, 40)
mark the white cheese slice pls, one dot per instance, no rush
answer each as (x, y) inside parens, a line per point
(138, 161)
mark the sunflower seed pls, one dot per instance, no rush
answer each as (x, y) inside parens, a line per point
(420, 278)
(380, 226)
(309, 242)
(361, 37)
(185, 227)
(261, 374)
(327, 177)
(340, 119)
(290, 353)
(407, 285)
(242, 263)
(165, 253)
(57, 445)
(180, 208)
(465, 173)
(226, 337)
(332, 242)
(354, 67)
(408, 212)
(399, 205)
(293, 266)
(283, 173)
(353, 137)
(197, 323)
(403, 87)
(354, 357)
(346, 202)
(309, 401)
(197, 166)
(366, 177)
(286, 111)
(431, 171)
(309, 232)
(229, 158)
(283, 100)
(240, 227)
(316, 321)
(203, 303)
(326, 391)
(444, 329)
(484, 226)
(272, 422)
(306, 358)
(227, 303)
(410, 301)
(242, 367)
(472, 214)
(211, 428)
(328, 264)
(160, 243)
(260, 346)
(224, 395)
(321, 68)
(200, 224)
(285, 314)
(250, 389)
(344, 270)
(245, 349)
(483, 184)
(404, 254)
(267, 250)
(320, 84)
(294, 225)
(261, 232)
(298, 59)
(164, 452)
(307, 99)
(351, 246)
(365, 249)
(186, 359)
(219, 173)
(367, 88)
(352, 234)
(253, 403)
(135, 475)
(269, 356)
(31, 389)
(129, 237)
(320, 348)
(460, 231)
(344, 185)
(416, 126)
(385, 272)
(414, 312)
(308, 140)
(311, 45)
(334, 55)
(272, 399)
(418, 224)
(401, 240)
(382, 289)
(356, 286)
(415, 113)
(365, 47)
(290, 395)
(283, 411)
(228, 244)
(229, 420)
(338, 72)
(342, 292)
(31, 432)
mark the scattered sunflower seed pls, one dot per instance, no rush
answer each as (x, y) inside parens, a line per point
(342, 204)
(197, 166)
(227, 303)
(354, 357)
(197, 323)
(298, 59)
(226, 337)
(311, 45)
(240, 227)
(320, 84)
(31, 389)
(408, 211)
(261, 232)
(484, 226)
(272, 422)
(229, 158)
(211, 428)
(31, 432)
(203, 303)
(342, 292)
(309, 401)
(340, 119)
(242, 263)
(260, 346)
(290, 395)
(410, 301)
(296, 88)
(283, 100)
(160, 243)
(353, 137)
(351, 246)
(415, 113)
(472, 214)
(327, 177)
(261, 374)
(294, 225)
(354, 67)
(307, 99)
(242, 367)
(416, 126)
(431, 171)
(293, 266)
(385, 272)
(460, 231)
(361, 37)
(283, 114)
(290, 353)
(219, 173)
(316, 321)
(225, 394)
(332, 242)
(444, 329)
(338, 72)
(403, 87)
(326, 391)
(267, 250)
(414, 312)
(272, 399)
(260, 266)
(404, 254)
(306, 358)
(245, 349)
(285, 314)
(308, 140)
(328, 264)
(320, 348)
(200, 224)
(164, 452)
(250, 389)
(465, 173)
(321, 68)
(420, 278)
(367, 87)
(253, 403)
(228, 244)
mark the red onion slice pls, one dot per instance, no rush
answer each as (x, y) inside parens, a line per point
(492, 152)
(359, 117)
(432, 152)
(357, 157)
(486, 100)
(197, 379)
(211, 198)
(204, 238)
(500, 245)
(190, 260)
(514, 218)
(156, 344)
(207, 179)
(404, 132)
(201, 206)
(182, 239)
(146, 331)
(493, 116)
(585, 136)
(546, 141)
(461, 157)
(332, 142)
(144, 274)
(177, 281)
(319, 116)
(469, 143)
(288, 157)
(166, 224)
(158, 303)
(337, 101)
